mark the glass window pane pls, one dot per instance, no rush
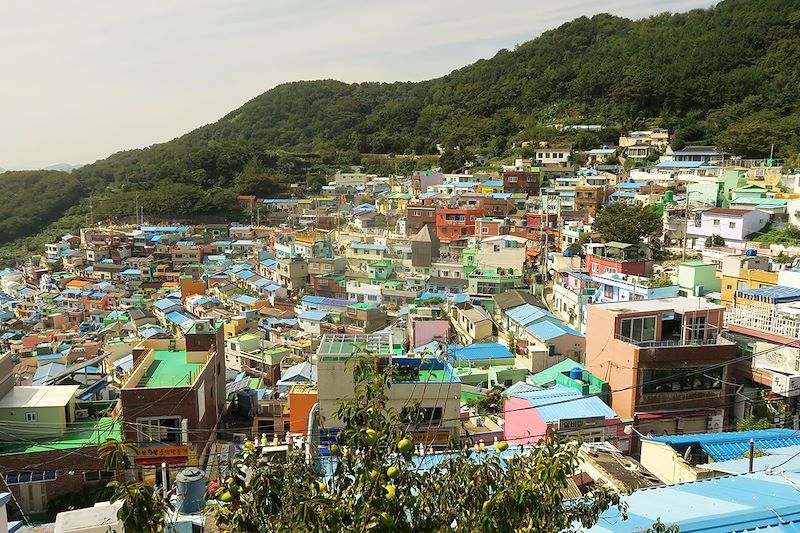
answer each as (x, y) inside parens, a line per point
(636, 333)
(626, 328)
(649, 331)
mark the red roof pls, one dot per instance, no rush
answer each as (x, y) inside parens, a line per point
(726, 212)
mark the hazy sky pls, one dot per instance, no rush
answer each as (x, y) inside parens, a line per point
(81, 80)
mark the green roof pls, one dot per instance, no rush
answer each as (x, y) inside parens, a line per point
(79, 434)
(169, 369)
(548, 375)
(361, 305)
(697, 263)
(620, 245)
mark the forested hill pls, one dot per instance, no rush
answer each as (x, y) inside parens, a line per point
(729, 74)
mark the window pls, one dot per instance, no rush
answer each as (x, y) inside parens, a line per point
(484, 229)
(715, 222)
(31, 417)
(731, 225)
(608, 291)
(431, 414)
(415, 213)
(639, 329)
(595, 268)
(512, 179)
(659, 380)
(98, 475)
(611, 270)
(159, 430)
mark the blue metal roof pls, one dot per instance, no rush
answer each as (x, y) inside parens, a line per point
(526, 314)
(788, 458)
(166, 303)
(312, 299)
(563, 403)
(774, 294)
(244, 299)
(178, 318)
(732, 444)
(93, 389)
(484, 350)
(745, 503)
(680, 164)
(544, 331)
(364, 246)
(492, 183)
(315, 316)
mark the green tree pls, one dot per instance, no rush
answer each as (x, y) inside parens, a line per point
(490, 403)
(629, 224)
(379, 487)
(143, 506)
(750, 423)
(715, 240)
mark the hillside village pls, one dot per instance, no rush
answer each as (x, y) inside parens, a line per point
(664, 356)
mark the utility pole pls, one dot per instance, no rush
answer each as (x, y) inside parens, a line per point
(685, 225)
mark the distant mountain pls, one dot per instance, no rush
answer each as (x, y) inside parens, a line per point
(727, 75)
(63, 167)
(2, 170)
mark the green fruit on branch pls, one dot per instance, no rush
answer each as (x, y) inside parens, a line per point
(405, 445)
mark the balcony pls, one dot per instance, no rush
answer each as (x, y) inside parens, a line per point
(773, 323)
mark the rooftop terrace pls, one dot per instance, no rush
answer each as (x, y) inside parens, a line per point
(169, 369)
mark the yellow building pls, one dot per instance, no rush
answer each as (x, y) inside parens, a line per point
(747, 278)
(768, 177)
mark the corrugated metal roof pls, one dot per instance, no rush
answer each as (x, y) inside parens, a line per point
(746, 503)
(544, 331)
(484, 350)
(562, 403)
(732, 444)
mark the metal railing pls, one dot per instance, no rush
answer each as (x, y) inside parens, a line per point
(782, 325)
(708, 338)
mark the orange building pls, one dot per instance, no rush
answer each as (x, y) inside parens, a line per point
(301, 399)
(655, 355)
(455, 223)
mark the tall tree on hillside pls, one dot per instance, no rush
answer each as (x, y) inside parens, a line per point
(629, 224)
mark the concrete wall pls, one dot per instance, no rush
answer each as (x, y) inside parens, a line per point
(667, 464)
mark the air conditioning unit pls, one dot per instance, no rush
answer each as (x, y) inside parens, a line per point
(81, 413)
(715, 423)
(785, 385)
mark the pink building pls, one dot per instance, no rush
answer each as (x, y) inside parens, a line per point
(528, 414)
(426, 331)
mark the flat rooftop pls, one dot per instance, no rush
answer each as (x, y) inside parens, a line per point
(678, 304)
(169, 369)
(339, 345)
(20, 397)
(79, 434)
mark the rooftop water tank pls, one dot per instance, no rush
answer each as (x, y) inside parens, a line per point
(669, 196)
(576, 372)
(191, 491)
(567, 253)
(750, 252)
